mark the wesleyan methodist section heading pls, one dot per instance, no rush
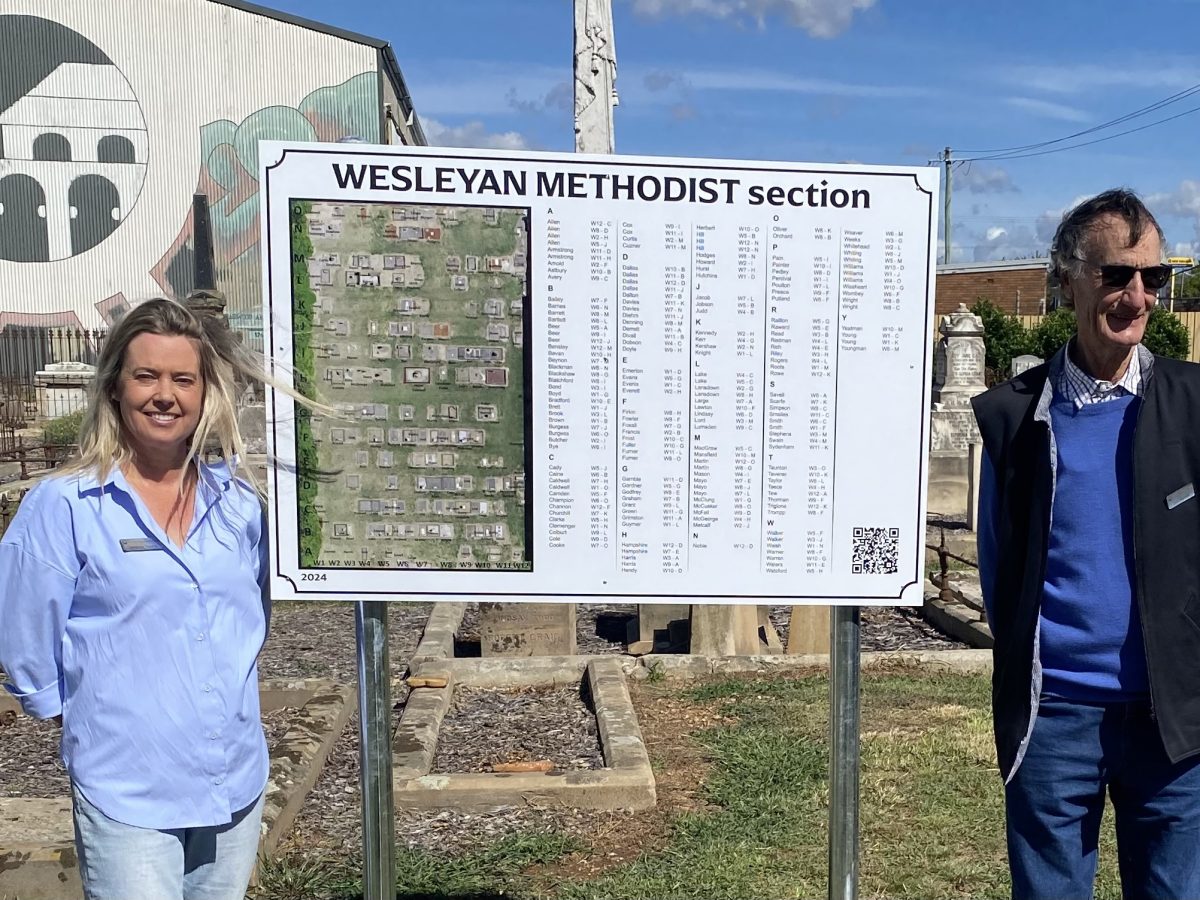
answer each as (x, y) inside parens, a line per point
(459, 181)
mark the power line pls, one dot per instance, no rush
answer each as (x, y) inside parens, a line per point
(1166, 101)
(1186, 112)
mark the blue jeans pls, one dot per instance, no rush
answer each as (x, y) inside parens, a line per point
(124, 862)
(1055, 801)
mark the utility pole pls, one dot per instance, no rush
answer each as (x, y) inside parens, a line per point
(946, 210)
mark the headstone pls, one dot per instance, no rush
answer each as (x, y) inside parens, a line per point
(974, 465)
(62, 388)
(952, 427)
(252, 425)
(527, 629)
(719, 630)
(1024, 363)
(808, 631)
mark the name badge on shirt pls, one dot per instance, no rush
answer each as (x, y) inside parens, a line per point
(1185, 493)
(139, 545)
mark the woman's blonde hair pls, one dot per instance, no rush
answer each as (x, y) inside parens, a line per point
(224, 363)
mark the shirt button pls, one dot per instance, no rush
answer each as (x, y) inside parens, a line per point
(213, 736)
(200, 636)
(195, 587)
(208, 689)
(218, 780)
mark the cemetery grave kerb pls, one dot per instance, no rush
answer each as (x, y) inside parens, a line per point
(626, 781)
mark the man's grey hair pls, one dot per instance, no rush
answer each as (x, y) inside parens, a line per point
(1067, 250)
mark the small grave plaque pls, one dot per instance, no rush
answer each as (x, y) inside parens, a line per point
(1024, 363)
(527, 629)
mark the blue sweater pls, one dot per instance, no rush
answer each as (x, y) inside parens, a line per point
(1091, 635)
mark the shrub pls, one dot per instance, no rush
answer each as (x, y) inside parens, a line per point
(1166, 335)
(63, 431)
(1054, 330)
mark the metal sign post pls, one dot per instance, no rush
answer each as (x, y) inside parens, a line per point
(375, 750)
(843, 757)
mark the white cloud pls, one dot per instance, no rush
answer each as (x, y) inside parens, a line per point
(660, 80)
(977, 179)
(766, 80)
(471, 134)
(1183, 202)
(820, 18)
(560, 98)
(1048, 110)
(470, 89)
(1074, 79)
(1018, 242)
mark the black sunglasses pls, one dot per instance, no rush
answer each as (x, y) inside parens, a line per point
(1116, 276)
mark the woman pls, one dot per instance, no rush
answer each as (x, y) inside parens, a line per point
(133, 597)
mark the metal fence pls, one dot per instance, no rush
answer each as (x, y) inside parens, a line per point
(26, 350)
(9, 501)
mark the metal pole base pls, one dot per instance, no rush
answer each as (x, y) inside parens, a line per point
(375, 750)
(844, 756)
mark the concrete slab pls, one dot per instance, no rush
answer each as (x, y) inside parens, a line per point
(35, 821)
(691, 667)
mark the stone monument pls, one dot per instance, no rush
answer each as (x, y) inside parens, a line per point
(62, 388)
(952, 423)
(595, 76)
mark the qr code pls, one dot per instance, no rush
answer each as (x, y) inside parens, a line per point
(876, 551)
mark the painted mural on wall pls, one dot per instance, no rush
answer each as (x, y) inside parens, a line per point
(101, 150)
(229, 178)
(74, 137)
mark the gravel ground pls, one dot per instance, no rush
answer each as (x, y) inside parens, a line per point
(29, 763)
(316, 640)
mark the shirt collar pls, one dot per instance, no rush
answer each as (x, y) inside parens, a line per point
(1083, 389)
(214, 480)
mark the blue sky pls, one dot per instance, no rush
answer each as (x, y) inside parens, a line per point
(874, 81)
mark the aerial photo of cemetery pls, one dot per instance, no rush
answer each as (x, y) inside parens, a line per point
(411, 322)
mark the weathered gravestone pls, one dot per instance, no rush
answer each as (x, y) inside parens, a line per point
(1024, 363)
(808, 630)
(527, 629)
(952, 423)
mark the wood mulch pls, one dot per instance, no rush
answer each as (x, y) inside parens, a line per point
(316, 640)
(527, 725)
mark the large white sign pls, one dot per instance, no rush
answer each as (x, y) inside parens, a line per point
(569, 377)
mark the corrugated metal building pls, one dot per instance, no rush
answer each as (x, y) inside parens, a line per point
(113, 113)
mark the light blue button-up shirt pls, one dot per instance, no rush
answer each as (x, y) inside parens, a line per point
(146, 649)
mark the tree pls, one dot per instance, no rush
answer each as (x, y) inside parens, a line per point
(1003, 338)
(1054, 330)
(1166, 335)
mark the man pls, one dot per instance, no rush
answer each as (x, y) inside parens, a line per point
(1089, 557)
